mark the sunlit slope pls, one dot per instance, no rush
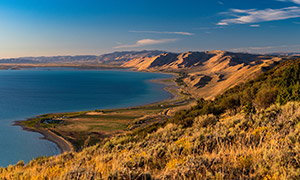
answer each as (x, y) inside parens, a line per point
(208, 73)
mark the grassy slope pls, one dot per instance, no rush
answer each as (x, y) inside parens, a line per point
(277, 86)
(258, 142)
(262, 145)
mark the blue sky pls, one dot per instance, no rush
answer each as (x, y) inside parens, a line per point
(77, 27)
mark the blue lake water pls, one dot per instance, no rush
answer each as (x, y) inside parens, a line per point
(30, 92)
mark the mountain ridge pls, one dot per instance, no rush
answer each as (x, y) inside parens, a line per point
(115, 58)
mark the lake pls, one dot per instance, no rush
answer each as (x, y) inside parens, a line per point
(30, 92)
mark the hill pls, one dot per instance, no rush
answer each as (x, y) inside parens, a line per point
(277, 86)
(207, 74)
(242, 134)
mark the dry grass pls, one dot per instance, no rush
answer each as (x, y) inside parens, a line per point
(90, 127)
(223, 70)
(265, 145)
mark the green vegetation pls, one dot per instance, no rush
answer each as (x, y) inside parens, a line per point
(87, 128)
(252, 131)
(180, 78)
(277, 86)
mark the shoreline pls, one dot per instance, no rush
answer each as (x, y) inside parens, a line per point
(66, 146)
(62, 144)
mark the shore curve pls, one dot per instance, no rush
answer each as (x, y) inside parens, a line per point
(62, 144)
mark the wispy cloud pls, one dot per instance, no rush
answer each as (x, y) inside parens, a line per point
(263, 48)
(250, 49)
(220, 2)
(165, 32)
(254, 25)
(146, 42)
(210, 28)
(294, 1)
(256, 16)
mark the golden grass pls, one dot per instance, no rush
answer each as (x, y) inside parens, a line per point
(265, 145)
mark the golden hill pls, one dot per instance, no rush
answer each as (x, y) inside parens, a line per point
(207, 73)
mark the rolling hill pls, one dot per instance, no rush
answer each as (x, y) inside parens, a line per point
(207, 73)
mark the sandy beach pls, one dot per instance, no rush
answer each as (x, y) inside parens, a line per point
(63, 145)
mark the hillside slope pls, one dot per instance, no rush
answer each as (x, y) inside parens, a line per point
(207, 74)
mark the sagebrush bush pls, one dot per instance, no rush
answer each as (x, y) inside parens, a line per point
(205, 120)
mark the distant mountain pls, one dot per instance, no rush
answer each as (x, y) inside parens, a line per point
(209, 73)
(18, 61)
(112, 58)
(121, 57)
(62, 59)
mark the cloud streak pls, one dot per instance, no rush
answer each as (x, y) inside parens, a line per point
(145, 42)
(256, 16)
(250, 49)
(165, 32)
(254, 25)
(294, 1)
(262, 48)
(210, 28)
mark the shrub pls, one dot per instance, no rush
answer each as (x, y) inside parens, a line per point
(205, 121)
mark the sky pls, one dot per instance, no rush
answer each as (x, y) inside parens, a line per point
(82, 27)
